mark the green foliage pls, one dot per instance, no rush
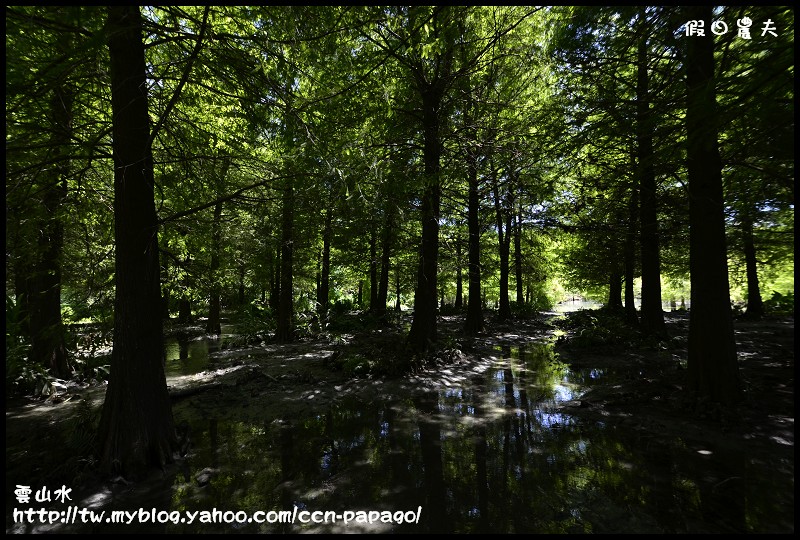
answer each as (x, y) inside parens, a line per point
(331, 103)
(254, 322)
(92, 368)
(357, 366)
(780, 304)
(451, 309)
(356, 322)
(602, 331)
(84, 428)
(342, 306)
(523, 310)
(80, 439)
(23, 377)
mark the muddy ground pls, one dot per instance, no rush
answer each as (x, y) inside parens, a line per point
(46, 442)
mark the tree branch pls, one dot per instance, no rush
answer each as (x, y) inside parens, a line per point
(183, 80)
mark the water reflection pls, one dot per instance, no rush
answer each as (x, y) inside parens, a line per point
(494, 455)
(186, 355)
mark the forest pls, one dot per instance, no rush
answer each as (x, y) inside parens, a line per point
(420, 269)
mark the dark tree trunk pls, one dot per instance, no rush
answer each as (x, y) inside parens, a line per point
(504, 219)
(373, 271)
(518, 256)
(615, 292)
(755, 307)
(213, 325)
(46, 328)
(325, 274)
(318, 279)
(713, 370)
(651, 312)
(474, 321)
(504, 311)
(386, 251)
(184, 311)
(22, 292)
(397, 289)
(285, 329)
(241, 284)
(165, 300)
(275, 280)
(383, 280)
(165, 288)
(459, 285)
(423, 326)
(136, 428)
(630, 259)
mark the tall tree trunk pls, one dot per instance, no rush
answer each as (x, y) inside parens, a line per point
(184, 310)
(136, 428)
(504, 220)
(615, 292)
(397, 307)
(275, 280)
(474, 321)
(213, 325)
(165, 290)
(504, 310)
(518, 256)
(318, 279)
(241, 284)
(46, 327)
(459, 285)
(713, 370)
(22, 292)
(284, 332)
(373, 271)
(630, 258)
(755, 307)
(325, 277)
(423, 326)
(386, 251)
(651, 312)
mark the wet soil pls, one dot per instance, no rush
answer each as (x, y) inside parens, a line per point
(651, 393)
(640, 390)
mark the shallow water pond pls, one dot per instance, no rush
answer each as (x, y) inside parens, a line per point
(187, 355)
(495, 452)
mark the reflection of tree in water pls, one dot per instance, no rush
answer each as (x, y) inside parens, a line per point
(183, 347)
(523, 396)
(492, 456)
(286, 438)
(430, 440)
(510, 405)
(481, 476)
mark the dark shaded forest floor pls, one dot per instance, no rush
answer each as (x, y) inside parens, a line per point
(48, 443)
